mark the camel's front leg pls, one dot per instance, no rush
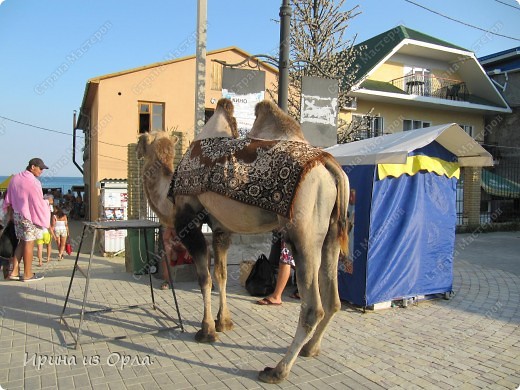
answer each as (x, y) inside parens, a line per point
(221, 242)
(187, 224)
(207, 333)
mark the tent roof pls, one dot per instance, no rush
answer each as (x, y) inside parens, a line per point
(5, 183)
(394, 148)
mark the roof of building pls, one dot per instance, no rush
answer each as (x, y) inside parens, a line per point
(502, 61)
(372, 51)
(94, 81)
(174, 60)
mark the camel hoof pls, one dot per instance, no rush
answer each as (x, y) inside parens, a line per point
(202, 337)
(309, 352)
(270, 375)
(222, 326)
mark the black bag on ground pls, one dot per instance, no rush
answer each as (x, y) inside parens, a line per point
(8, 244)
(276, 249)
(8, 241)
(261, 280)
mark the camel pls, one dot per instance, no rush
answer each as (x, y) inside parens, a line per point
(315, 228)
(157, 149)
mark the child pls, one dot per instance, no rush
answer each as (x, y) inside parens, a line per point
(60, 226)
(45, 239)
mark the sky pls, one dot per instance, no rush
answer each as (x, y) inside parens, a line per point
(50, 48)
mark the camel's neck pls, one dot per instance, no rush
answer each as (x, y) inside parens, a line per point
(156, 180)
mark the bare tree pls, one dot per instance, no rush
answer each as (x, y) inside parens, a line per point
(318, 47)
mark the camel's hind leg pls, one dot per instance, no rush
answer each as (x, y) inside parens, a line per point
(187, 225)
(307, 267)
(328, 282)
(221, 242)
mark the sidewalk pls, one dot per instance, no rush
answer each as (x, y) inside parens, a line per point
(471, 341)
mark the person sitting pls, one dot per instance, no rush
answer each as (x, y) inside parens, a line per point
(284, 274)
(175, 253)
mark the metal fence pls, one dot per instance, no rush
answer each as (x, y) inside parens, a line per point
(432, 86)
(500, 198)
(500, 188)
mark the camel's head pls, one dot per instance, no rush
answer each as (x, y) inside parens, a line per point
(274, 124)
(157, 146)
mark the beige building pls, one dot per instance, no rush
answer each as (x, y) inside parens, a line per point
(117, 107)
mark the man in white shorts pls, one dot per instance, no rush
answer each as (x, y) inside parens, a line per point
(30, 212)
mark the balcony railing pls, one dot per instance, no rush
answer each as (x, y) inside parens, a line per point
(432, 86)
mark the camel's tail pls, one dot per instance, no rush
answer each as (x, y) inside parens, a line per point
(343, 194)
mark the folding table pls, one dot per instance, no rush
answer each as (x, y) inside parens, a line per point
(99, 227)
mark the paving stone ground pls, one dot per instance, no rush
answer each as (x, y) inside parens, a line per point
(471, 341)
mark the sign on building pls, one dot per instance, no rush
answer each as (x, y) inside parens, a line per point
(319, 110)
(245, 88)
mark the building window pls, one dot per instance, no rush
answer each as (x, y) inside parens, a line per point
(151, 117)
(216, 76)
(468, 129)
(410, 124)
(366, 126)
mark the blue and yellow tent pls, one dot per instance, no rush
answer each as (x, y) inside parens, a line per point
(5, 183)
(403, 238)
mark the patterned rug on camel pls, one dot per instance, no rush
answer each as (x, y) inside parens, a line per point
(261, 173)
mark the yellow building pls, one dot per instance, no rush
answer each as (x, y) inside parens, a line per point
(117, 107)
(406, 80)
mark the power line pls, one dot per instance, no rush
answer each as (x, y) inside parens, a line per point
(509, 5)
(115, 158)
(36, 127)
(55, 131)
(461, 22)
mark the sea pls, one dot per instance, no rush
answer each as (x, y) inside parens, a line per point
(64, 183)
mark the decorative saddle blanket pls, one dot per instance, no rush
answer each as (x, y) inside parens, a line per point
(261, 173)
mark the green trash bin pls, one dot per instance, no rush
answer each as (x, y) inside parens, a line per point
(136, 240)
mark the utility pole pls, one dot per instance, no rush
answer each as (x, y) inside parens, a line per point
(283, 61)
(200, 65)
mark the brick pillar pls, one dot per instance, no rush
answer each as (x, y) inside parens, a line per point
(472, 177)
(137, 203)
(134, 184)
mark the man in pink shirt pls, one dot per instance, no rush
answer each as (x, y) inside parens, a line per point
(30, 212)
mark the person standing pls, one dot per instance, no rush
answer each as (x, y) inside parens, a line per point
(49, 197)
(46, 238)
(30, 213)
(60, 227)
(78, 202)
